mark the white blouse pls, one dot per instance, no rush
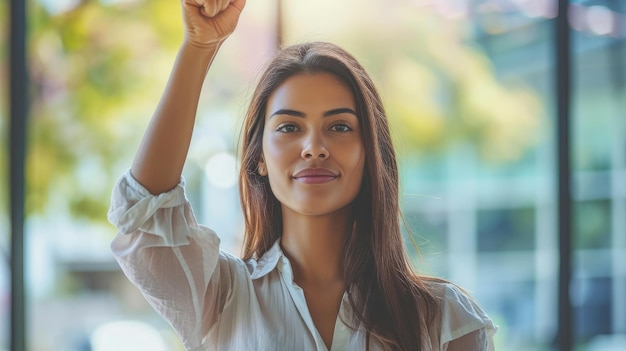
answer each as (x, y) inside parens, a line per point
(215, 301)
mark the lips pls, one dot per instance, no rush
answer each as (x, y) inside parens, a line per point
(315, 176)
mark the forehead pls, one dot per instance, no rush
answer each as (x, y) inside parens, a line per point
(313, 91)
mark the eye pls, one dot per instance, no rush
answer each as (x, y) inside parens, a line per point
(287, 128)
(341, 128)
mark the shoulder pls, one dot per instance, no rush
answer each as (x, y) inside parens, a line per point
(459, 313)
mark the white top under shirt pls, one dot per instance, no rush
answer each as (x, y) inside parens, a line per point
(215, 301)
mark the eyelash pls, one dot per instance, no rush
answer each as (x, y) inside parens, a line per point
(282, 128)
(344, 126)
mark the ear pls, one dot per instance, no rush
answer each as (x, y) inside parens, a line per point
(261, 168)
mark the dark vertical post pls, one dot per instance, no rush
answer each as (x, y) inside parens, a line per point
(565, 337)
(18, 113)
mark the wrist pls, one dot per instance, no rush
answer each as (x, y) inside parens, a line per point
(205, 51)
(210, 45)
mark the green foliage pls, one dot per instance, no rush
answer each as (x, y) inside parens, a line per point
(92, 67)
(437, 87)
(445, 91)
(98, 70)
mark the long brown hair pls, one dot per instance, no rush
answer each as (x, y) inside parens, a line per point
(390, 301)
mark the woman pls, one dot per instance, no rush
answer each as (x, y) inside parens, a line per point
(323, 267)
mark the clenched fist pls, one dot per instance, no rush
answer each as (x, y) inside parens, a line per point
(209, 22)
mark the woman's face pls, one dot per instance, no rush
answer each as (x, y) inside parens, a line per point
(312, 149)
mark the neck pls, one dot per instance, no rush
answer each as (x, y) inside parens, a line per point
(314, 245)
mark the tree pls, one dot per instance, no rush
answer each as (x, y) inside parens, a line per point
(438, 87)
(93, 67)
(97, 71)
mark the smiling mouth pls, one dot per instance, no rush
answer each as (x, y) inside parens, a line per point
(315, 176)
(319, 179)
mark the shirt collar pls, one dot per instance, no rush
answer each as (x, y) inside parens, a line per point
(275, 258)
(268, 261)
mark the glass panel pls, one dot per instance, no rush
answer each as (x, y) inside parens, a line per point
(593, 224)
(506, 229)
(599, 161)
(592, 307)
(516, 304)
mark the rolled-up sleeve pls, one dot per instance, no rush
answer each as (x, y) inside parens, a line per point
(465, 325)
(169, 257)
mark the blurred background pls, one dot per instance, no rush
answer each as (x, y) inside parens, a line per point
(469, 87)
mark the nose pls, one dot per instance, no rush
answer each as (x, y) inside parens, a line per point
(314, 148)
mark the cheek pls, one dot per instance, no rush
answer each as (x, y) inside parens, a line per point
(275, 153)
(361, 164)
(357, 156)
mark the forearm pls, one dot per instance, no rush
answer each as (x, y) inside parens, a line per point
(159, 161)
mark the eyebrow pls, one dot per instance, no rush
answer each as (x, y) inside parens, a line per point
(328, 113)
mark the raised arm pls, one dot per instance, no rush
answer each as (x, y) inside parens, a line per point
(159, 161)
